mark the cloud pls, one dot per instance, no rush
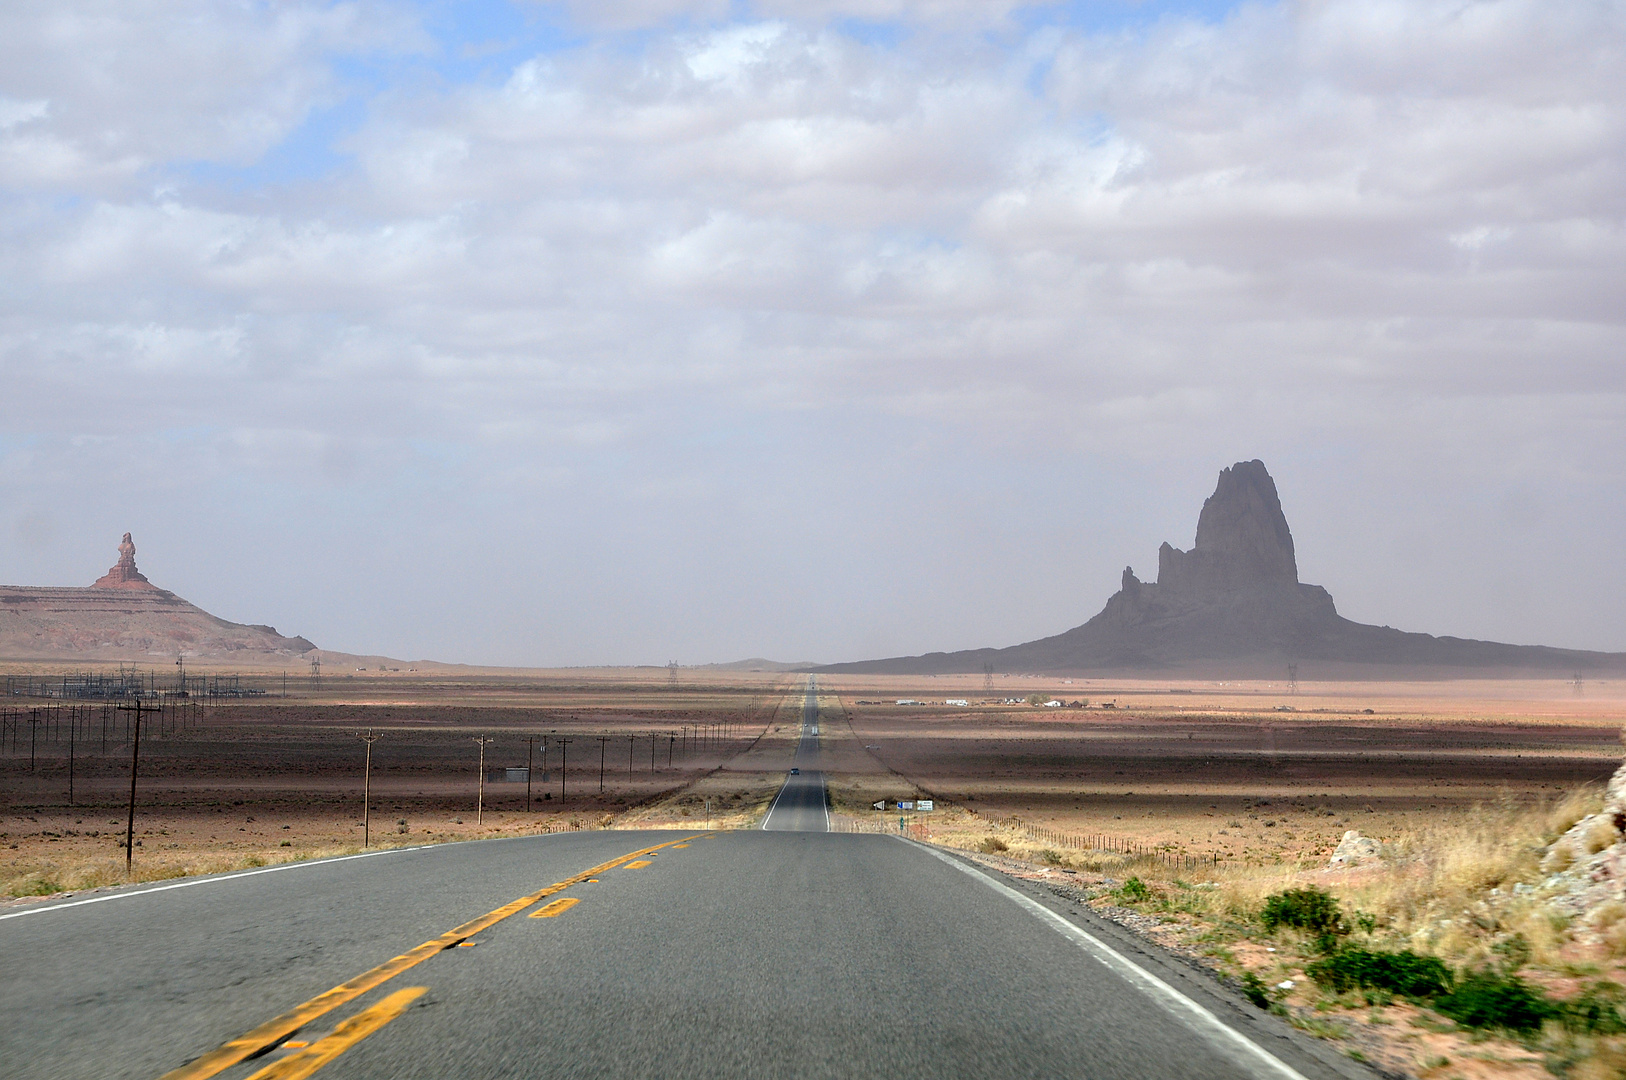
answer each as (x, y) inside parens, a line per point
(630, 276)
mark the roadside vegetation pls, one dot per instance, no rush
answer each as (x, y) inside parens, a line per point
(1442, 956)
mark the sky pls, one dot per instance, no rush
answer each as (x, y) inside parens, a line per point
(582, 333)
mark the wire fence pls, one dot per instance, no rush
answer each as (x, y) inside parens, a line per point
(1116, 845)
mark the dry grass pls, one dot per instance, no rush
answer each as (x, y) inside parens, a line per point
(1446, 890)
(77, 873)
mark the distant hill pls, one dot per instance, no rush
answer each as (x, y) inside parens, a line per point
(1234, 603)
(123, 616)
(757, 663)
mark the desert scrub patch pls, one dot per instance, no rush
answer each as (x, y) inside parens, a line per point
(34, 886)
(1312, 910)
(1050, 856)
(1134, 891)
(1404, 973)
(1600, 1010)
(992, 845)
(1254, 989)
(1491, 999)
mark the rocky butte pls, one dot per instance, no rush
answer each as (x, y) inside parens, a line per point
(123, 616)
(1234, 605)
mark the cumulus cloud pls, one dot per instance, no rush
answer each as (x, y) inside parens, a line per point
(594, 294)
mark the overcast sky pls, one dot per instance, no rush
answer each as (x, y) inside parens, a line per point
(516, 333)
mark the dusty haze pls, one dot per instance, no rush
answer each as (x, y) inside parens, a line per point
(494, 333)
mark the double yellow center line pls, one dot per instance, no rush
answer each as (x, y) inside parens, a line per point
(272, 1032)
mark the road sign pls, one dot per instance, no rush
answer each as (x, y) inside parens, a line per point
(905, 804)
(923, 804)
(880, 805)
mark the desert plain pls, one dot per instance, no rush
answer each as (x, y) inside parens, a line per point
(1251, 772)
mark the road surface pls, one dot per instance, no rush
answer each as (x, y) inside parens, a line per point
(761, 954)
(802, 805)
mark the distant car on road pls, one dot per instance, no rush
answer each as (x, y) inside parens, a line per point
(796, 772)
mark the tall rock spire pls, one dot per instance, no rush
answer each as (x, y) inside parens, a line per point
(124, 574)
(1242, 539)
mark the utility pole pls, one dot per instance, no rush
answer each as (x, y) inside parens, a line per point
(670, 739)
(135, 758)
(564, 745)
(652, 755)
(530, 751)
(480, 797)
(602, 739)
(367, 791)
(73, 728)
(630, 739)
(33, 729)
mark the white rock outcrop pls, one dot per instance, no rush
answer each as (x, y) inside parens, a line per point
(1353, 848)
(1586, 866)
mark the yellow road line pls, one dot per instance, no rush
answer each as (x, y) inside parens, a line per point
(272, 1032)
(640, 864)
(557, 908)
(676, 846)
(352, 1031)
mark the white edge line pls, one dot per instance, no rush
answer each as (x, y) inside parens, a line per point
(769, 815)
(211, 880)
(1189, 1012)
(775, 804)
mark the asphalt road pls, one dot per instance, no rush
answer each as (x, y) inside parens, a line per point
(802, 804)
(761, 954)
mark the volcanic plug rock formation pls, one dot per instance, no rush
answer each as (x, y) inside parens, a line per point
(1234, 603)
(123, 616)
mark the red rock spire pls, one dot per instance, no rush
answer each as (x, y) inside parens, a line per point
(124, 574)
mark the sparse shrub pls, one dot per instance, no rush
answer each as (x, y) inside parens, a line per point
(1514, 953)
(992, 845)
(1601, 833)
(36, 887)
(1490, 999)
(1037, 699)
(286, 843)
(1253, 988)
(1310, 909)
(1051, 856)
(1134, 891)
(1601, 1010)
(1398, 972)
(1558, 859)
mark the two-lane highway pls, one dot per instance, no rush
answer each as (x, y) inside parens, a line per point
(802, 804)
(763, 953)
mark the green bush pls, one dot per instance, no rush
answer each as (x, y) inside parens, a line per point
(1134, 891)
(1598, 1011)
(1401, 973)
(1051, 856)
(992, 845)
(1253, 988)
(1314, 910)
(1490, 999)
